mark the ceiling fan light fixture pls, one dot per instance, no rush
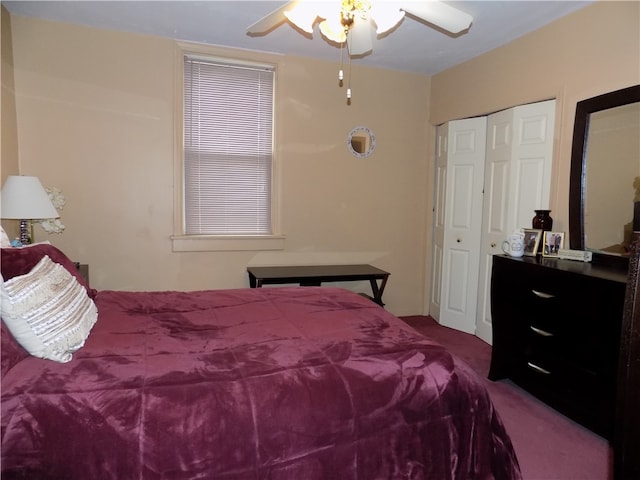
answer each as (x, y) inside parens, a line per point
(360, 37)
(333, 30)
(353, 24)
(383, 15)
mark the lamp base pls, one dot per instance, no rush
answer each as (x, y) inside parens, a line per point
(25, 237)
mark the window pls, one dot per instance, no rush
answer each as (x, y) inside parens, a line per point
(228, 147)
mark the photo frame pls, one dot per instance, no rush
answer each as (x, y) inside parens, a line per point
(531, 241)
(551, 243)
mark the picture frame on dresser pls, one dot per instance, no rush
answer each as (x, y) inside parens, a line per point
(552, 242)
(532, 238)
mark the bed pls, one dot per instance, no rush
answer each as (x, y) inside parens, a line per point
(275, 383)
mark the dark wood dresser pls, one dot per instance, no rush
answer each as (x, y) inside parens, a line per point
(556, 333)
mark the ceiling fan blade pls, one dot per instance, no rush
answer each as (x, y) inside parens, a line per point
(360, 38)
(271, 20)
(439, 14)
(302, 16)
(386, 15)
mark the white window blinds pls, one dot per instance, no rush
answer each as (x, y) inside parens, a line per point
(228, 147)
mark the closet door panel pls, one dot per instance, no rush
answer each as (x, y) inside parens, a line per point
(460, 213)
(496, 191)
(529, 191)
(517, 182)
(439, 204)
(436, 285)
(463, 222)
(457, 288)
(533, 158)
(495, 211)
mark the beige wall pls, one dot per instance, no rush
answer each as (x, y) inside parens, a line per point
(96, 119)
(9, 135)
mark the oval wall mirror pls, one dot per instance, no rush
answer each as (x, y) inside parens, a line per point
(361, 142)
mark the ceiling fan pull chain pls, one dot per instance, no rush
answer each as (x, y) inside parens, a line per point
(349, 84)
(341, 72)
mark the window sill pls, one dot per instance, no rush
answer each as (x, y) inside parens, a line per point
(210, 243)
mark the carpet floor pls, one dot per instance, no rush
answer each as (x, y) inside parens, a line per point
(549, 446)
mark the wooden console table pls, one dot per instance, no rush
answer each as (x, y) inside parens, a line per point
(314, 275)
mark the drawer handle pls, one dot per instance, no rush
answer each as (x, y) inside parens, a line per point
(544, 333)
(542, 294)
(538, 369)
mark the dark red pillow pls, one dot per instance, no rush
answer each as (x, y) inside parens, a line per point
(10, 350)
(19, 261)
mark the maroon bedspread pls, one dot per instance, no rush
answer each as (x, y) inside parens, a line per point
(280, 383)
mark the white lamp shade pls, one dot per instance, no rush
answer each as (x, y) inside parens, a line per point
(24, 198)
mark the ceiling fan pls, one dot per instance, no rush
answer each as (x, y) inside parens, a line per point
(357, 21)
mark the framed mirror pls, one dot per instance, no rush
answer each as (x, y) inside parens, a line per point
(361, 142)
(605, 174)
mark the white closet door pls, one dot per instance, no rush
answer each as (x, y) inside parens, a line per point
(495, 211)
(462, 223)
(517, 182)
(440, 189)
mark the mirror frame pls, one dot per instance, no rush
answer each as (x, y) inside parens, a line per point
(577, 179)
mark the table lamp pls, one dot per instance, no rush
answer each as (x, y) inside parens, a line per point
(25, 199)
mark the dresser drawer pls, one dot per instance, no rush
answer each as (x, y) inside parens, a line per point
(575, 339)
(580, 393)
(546, 368)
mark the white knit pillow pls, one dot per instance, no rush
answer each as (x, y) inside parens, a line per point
(48, 312)
(4, 239)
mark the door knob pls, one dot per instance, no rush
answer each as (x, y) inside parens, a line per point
(493, 244)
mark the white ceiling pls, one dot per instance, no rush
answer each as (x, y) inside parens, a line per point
(413, 46)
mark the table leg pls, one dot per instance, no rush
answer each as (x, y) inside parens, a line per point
(378, 290)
